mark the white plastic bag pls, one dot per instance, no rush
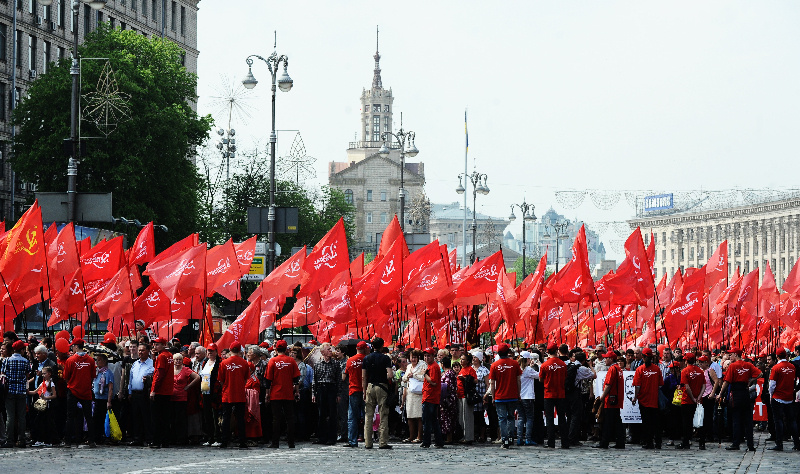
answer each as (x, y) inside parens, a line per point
(697, 422)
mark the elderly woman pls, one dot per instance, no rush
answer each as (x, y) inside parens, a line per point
(412, 396)
(448, 404)
(211, 396)
(185, 380)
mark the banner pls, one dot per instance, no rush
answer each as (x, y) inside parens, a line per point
(630, 412)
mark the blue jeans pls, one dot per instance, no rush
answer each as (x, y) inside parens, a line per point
(525, 420)
(505, 417)
(355, 417)
(430, 422)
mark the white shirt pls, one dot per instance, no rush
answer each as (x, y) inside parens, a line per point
(526, 383)
(139, 370)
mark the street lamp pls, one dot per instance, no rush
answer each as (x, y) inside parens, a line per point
(478, 186)
(527, 216)
(407, 147)
(75, 72)
(285, 84)
(560, 229)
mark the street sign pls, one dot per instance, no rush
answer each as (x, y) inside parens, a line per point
(89, 207)
(257, 269)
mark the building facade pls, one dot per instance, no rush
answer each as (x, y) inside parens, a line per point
(757, 234)
(447, 225)
(43, 36)
(372, 182)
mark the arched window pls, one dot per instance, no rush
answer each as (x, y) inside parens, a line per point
(348, 196)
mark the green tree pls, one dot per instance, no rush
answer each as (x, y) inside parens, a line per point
(530, 266)
(146, 160)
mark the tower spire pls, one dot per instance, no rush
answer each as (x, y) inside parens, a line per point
(376, 78)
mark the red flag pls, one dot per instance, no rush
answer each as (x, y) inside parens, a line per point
(304, 312)
(633, 281)
(421, 259)
(117, 298)
(182, 245)
(574, 281)
(428, 284)
(748, 292)
(328, 259)
(207, 333)
(482, 277)
(769, 300)
(357, 266)
(245, 253)
(392, 234)
(103, 261)
(687, 305)
(283, 279)
(223, 271)
(792, 283)
(717, 266)
(338, 306)
(144, 248)
(64, 256)
(152, 305)
(385, 279)
(24, 246)
(181, 275)
(72, 298)
(244, 329)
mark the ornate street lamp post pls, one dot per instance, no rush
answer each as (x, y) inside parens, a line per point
(527, 216)
(478, 181)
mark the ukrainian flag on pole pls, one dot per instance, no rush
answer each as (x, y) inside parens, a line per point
(466, 132)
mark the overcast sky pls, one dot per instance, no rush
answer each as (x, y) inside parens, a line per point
(668, 95)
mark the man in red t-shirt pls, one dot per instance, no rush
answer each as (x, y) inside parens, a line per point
(693, 380)
(504, 384)
(553, 374)
(282, 377)
(739, 376)
(355, 408)
(233, 374)
(612, 397)
(431, 393)
(647, 381)
(161, 391)
(781, 390)
(79, 375)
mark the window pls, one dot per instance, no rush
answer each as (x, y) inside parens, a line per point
(386, 124)
(681, 254)
(3, 108)
(99, 17)
(376, 107)
(87, 19)
(3, 41)
(663, 255)
(61, 13)
(664, 237)
(144, 8)
(18, 49)
(31, 6)
(369, 218)
(32, 52)
(386, 108)
(384, 218)
(383, 196)
(123, 26)
(369, 195)
(376, 128)
(133, 5)
(183, 20)
(691, 253)
(46, 57)
(47, 14)
(348, 196)
(61, 53)
(153, 7)
(701, 252)
(172, 20)
(672, 254)
(664, 270)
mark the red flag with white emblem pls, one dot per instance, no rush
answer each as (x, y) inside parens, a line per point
(144, 248)
(328, 259)
(245, 252)
(244, 329)
(686, 306)
(223, 271)
(103, 261)
(574, 281)
(117, 298)
(427, 284)
(181, 275)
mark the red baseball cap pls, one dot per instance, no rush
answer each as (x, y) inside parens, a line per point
(552, 347)
(18, 345)
(688, 357)
(430, 351)
(264, 344)
(702, 359)
(159, 340)
(647, 352)
(109, 338)
(503, 347)
(78, 342)
(212, 347)
(361, 345)
(281, 344)
(735, 350)
(235, 346)
(610, 355)
(781, 353)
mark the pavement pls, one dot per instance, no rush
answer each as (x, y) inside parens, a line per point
(488, 458)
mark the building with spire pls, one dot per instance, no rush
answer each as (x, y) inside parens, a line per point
(371, 182)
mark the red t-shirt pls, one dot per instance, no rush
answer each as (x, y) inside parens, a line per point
(648, 379)
(182, 379)
(281, 371)
(553, 374)
(432, 391)
(79, 374)
(741, 371)
(464, 372)
(693, 376)
(505, 372)
(163, 374)
(783, 374)
(617, 384)
(233, 374)
(354, 373)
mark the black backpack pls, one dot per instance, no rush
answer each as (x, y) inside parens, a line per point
(569, 382)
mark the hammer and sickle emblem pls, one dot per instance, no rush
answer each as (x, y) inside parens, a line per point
(30, 236)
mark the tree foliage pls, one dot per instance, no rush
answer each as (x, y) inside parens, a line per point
(530, 267)
(146, 160)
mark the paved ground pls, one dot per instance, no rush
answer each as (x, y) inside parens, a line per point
(403, 458)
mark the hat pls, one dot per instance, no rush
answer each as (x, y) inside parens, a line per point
(526, 355)
(109, 337)
(688, 357)
(361, 345)
(212, 347)
(647, 352)
(313, 341)
(18, 345)
(781, 353)
(610, 355)
(735, 350)
(78, 342)
(281, 345)
(235, 346)
(674, 364)
(140, 321)
(430, 351)
(552, 347)
(702, 359)
(478, 354)
(159, 340)
(264, 344)
(503, 347)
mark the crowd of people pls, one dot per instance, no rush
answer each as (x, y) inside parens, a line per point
(166, 394)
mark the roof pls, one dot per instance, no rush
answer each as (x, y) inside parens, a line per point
(338, 167)
(454, 211)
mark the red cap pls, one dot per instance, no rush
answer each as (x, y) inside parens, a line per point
(264, 344)
(552, 347)
(18, 345)
(702, 359)
(610, 355)
(235, 346)
(503, 347)
(647, 352)
(212, 347)
(688, 357)
(430, 351)
(781, 353)
(78, 342)
(361, 345)
(160, 340)
(313, 341)
(109, 338)
(281, 344)
(735, 350)
(674, 364)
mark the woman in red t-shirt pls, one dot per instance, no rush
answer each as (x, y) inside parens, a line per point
(612, 396)
(465, 409)
(185, 380)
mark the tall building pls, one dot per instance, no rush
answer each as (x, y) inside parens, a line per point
(371, 182)
(447, 225)
(44, 35)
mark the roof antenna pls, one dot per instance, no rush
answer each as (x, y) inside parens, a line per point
(275, 45)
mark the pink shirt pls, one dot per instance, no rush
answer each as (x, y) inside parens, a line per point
(182, 379)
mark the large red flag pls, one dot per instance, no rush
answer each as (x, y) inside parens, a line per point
(71, 299)
(420, 259)
(687, 305)
(103, 261)
(385, 279)
(144, 248)
(223, 271)
(792, 283)
(769, 300)
(392, 233)
(338, 306)
(180, 246)
(633, 281)
(64, 256)
(328, 259)
(428, 284)
(748, 293)
(181, 275)
(24, 246)
(304, 312)
(152, 305)
(244, 329)
(283, 279)
(717, 266)
(574, 281)
(481, 277)
(117, 298)
(245, 253)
